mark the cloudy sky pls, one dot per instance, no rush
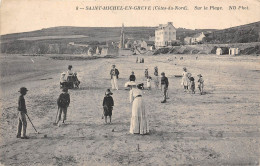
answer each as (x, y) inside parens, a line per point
(27, 15)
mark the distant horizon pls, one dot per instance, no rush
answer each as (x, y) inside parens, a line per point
(124, 27)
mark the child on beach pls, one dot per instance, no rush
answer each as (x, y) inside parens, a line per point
(63, 103)
(63, 80)
(149, 82)
(108, 104)
(201, 84)
(192, 85)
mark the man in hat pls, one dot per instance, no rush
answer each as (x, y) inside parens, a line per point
(22, 111)
(164, 86)
(63, 103)
(114, 76)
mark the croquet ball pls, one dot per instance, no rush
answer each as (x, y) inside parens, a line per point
(45, 136)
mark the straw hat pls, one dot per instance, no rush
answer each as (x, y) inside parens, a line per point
(108, 92)
(140, 86)
(23, 89)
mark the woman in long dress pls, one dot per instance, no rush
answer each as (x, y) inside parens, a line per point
(139, 122)
(185, 79)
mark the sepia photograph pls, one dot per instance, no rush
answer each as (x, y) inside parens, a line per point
(129, 82)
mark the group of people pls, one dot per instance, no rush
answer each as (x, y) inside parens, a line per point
(69, 79)
(141, 60)
(188, 82)
(139, 121)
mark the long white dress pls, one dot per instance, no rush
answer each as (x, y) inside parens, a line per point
(185, 79)
(139, 122)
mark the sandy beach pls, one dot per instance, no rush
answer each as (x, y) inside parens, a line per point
(220, 127)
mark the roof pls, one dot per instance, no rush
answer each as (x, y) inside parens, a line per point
(150, 42)
(198, 34)
(162, 26)
(187, 37)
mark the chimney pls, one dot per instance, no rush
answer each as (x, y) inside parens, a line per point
(169, 22)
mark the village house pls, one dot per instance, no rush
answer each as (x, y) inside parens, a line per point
(129, 44)
(147, 45)
(164, 35)
(198, 38)
(187, 40)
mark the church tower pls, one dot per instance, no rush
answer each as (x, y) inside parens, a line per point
(122, 38)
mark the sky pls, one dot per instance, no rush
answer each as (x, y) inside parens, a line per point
(28, 15)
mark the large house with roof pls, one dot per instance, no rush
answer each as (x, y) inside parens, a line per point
(164, 35)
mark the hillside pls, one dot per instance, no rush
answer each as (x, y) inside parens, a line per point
(42, 41)
(239, 34)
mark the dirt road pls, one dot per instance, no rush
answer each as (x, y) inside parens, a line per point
(218, 128)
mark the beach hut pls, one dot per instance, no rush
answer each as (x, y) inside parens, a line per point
(97, 51)
(233, 51)
(219, 51)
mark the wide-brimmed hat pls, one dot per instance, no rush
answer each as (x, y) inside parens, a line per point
(140, 86)
(113, 65)
(64, 89)
(163, 73)
(184, 68)
(108, 92)
(23, 89)
(199, 75)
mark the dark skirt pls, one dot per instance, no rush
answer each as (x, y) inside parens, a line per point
(108, 111)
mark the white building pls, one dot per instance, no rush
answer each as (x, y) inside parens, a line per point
(198, 38)
(165, 34)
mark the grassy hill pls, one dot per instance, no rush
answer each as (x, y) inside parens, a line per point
(239, 34)
(17, 43)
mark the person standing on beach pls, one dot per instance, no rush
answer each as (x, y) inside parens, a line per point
(108, 104)
(201, 84)
(164, 86)
(156, 79)
(132, 77)
(63, 103)
(185, 79)
(22, 111)
(114, 76)
(139, 121)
